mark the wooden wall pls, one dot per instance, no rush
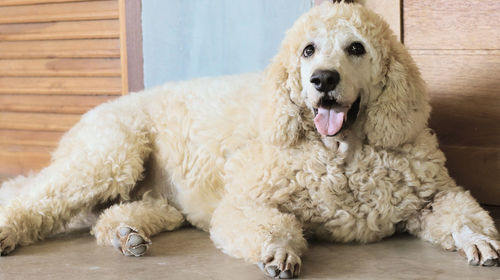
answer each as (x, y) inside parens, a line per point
(457, 47)
(58, 59)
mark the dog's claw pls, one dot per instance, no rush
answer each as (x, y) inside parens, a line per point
(136, 245)
(138, 250)
(480, 250)
(130, 242)
(281, 263)
(287, 274)
(272, 270)
(134, 239)
(490, 262)
(116, 242)
(124, 231)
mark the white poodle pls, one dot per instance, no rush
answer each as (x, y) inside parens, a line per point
(330, 142)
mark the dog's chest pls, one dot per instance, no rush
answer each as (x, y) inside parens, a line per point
(358, 201)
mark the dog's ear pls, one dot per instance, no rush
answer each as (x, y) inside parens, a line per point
(401, 110)
(281, 118)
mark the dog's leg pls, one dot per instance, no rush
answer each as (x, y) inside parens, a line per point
(128, 227)
(457, 222)
(100, 159)
(259, 234)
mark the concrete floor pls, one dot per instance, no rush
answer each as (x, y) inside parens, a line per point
(189, 254)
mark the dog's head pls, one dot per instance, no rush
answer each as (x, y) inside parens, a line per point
(341, 72)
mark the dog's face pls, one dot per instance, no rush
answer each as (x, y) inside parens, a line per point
(342, 72)
(335, 68)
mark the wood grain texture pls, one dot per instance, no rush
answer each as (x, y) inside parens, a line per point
(92, 67)
(58, 59)
(71, 11)
(61, 85)
(22, 159)
(28, 137)
(456, 45)
(68, 104)
(37, 121)
(476, 169)
(31, 2)
(85, 48)
(444, 24)
(123, 47)
(454, 52)
(465, 96)
(95, 29)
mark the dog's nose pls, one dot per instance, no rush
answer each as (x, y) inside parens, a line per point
(325, 80)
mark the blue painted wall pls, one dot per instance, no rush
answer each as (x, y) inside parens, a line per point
(183, 39)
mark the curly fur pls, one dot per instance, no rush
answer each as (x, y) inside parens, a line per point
(240, 156)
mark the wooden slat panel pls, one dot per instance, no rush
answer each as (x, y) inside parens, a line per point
(476, 168)
(455, 52)
(93, 67)
(60, 30)
(68, 104)
(59, 12)
(460, 74)
(465, 92)
(28, 137)
(64, 85)
(16, 159)
(58, 59)
(123, 47)
(31, 2)
(444, 24)
(60, 48)
(37, 121)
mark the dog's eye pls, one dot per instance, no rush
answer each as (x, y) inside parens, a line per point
(308, 50)
(356, 49)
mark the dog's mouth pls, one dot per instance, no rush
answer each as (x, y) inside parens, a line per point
(331, 117)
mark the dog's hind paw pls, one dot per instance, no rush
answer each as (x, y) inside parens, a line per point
(7, 240)
(130, 242)
(281, 263)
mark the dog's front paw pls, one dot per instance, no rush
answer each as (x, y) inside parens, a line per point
(130, 242)
(280, 262)
(477, 248)
(7, 240)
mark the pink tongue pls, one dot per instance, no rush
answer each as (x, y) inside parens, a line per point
(329, 121)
